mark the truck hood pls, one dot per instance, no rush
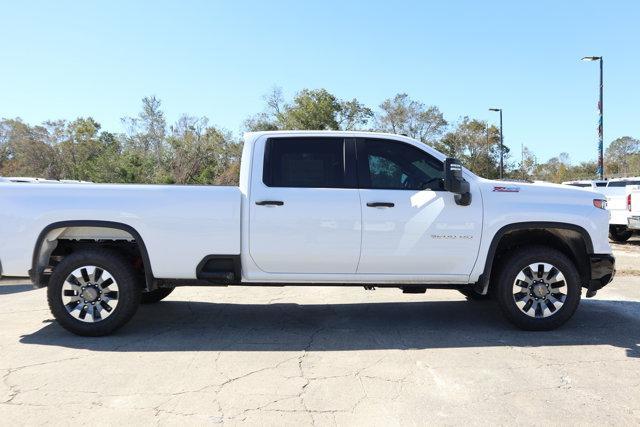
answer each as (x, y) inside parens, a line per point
(545, 192)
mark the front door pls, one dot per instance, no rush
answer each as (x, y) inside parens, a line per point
(411, 226)
(305, 207)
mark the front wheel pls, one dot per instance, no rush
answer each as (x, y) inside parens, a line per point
(93, 292)
(538, 288)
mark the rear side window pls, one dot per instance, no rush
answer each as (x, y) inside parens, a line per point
(391, 165)
(304, 162)
(601, 184)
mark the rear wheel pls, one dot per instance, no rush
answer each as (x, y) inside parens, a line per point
(619, 233)
(156, 295)
(93, 292)
(538, 288)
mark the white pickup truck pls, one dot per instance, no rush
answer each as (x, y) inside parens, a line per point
(633, 206)
(312, 208)
(617, 193)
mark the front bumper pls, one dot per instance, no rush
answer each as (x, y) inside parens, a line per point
(634, 223)
(602, 272)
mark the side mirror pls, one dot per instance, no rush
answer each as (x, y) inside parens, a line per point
(455, 183)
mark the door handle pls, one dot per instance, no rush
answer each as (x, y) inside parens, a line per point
(380, 204)
(270, 203)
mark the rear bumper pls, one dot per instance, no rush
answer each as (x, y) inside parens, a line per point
(634, 223)
(603, 269)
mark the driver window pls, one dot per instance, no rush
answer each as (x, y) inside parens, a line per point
(398, 166)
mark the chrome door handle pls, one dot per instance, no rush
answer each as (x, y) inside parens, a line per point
(270, 203)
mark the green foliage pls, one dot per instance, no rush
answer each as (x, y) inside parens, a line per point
(311, 109)
(623, 157)
(29, 150)
(202, 154)
(476, 145)
(402, 115)
(192, 151)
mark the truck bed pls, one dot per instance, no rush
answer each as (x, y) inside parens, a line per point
(179, 225)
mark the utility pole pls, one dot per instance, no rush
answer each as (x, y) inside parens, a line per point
(522, 160)
(501, 143)
(600, 117)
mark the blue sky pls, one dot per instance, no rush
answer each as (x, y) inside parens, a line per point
(67, 59)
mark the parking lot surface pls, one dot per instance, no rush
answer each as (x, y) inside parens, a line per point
(323, 356)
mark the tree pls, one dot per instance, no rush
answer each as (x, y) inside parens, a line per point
(476, 145)
(352, 115)
(623, 156)
(528, 165)
(146, 134)
(311, 109)
(29, 150)
(193, 151)
(402, 115)
(556, 169)
(80, 150)
(202, 154)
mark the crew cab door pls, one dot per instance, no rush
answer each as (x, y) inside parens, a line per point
(304, 206)
(411, 225)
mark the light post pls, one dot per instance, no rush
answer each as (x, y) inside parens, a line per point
(501, 142)
(600, 119)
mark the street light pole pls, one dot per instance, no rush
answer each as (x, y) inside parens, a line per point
(600, 117)
(501, 143)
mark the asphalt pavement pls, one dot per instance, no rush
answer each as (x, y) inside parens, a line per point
(323, 356)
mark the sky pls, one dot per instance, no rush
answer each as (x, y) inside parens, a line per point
(63, 59)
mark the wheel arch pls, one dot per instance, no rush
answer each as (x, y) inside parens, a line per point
(44, 246)
(571, 239)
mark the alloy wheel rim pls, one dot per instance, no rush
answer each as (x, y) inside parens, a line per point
(539, 290)
(90, 294)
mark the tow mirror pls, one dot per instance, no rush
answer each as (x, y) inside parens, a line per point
(455, 183)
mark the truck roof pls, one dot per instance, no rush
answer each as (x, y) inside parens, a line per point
(252, 137)
(338, 133)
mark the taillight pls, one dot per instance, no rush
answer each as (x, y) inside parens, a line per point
(629, 202)
(600, 203)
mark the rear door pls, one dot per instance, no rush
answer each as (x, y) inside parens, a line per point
(305, 211)
(411, 225)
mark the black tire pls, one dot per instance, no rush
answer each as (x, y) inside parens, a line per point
(518, 261)
(157, 295)
(619, 233)
(128, 295)
(472, 295)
